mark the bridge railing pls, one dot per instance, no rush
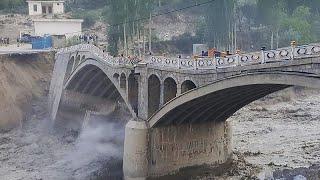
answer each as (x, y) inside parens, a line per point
(271, 56)
(204, 63)
(100, 54)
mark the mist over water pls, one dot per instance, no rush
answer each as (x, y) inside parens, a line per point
(98, 149)
(39, 151)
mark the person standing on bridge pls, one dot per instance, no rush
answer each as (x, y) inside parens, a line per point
(18, 42)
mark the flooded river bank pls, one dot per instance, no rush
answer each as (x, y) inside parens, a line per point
(277, 137)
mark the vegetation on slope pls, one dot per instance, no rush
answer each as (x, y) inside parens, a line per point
(224, 24)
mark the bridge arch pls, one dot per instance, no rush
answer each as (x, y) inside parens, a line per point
(187, 85)
(153, 94)
(83, 58)
(70, 66)
(219, 100)
(116, 77)
(133, 92)
(170, 89)
(123, 81)
(78, 60)
(93, 72)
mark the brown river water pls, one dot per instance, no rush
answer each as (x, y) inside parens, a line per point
(274, 138)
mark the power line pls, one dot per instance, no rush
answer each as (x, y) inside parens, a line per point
(165, 13)
(153, 15)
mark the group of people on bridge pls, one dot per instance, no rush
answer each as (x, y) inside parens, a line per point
(131, 59)
(4, 41)
(88, 38)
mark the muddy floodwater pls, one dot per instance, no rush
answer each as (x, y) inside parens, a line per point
(276, 137)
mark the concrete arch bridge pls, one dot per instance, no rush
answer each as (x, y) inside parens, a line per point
(179, 107)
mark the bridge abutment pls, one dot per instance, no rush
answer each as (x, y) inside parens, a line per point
(160, 151)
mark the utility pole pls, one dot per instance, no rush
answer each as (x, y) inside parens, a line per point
(144, 42)
(125, 39)
(235, 26)
(235, 36)
(150, 33)
(125, 33)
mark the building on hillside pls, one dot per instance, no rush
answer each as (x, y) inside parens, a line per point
(45, 7)
(57, 27)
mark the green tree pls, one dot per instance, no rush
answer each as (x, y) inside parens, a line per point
(298, 26)
(12, 5)
(124, 18)
(219, 18)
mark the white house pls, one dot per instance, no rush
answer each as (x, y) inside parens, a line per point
(45, 7)
(67, 27)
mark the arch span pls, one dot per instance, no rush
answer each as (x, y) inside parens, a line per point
(96, 79)
(187, 86)
(133, 92)
(123, 81)
(70, 66)
(170, 89)
(219, 100)
(78, 60)
(153, 94)
(116, 77)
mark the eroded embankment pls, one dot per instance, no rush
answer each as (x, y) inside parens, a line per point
(22, 77)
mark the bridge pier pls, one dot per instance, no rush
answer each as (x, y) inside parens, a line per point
(160, 151)
(143, 90)
(135, 157)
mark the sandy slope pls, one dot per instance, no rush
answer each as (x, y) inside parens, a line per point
(21, 78)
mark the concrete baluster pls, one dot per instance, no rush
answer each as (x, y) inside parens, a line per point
(263, 58)
(215, 62)
(292, 53)
(238, 57)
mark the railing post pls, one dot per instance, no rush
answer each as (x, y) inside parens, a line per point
(196, 61)
(263, 60)
(293, 46)
(163, 63)
(216, 62)
(238, 57)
